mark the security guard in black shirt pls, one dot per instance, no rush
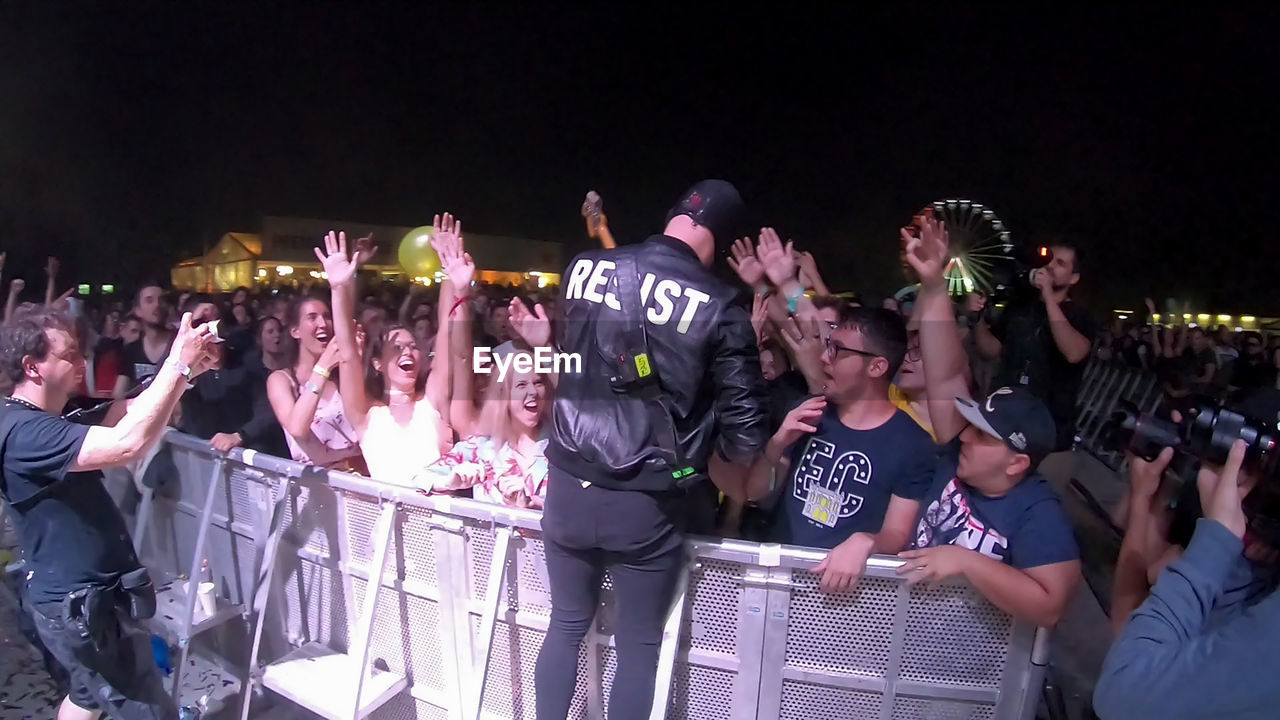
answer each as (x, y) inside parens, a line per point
(670, 391)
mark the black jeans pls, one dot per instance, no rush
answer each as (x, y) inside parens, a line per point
(112, 667)
(637, 536)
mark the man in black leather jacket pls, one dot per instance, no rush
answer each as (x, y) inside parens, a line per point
(618, 491)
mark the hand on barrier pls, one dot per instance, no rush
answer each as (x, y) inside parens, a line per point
(934, 564)
(224, 442)
(843, 566)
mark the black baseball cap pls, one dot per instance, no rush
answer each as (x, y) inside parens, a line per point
(1016, 416)
(715, 205)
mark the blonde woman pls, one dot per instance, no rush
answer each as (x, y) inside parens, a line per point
(503, 457)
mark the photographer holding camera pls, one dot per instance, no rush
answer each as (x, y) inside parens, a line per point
(1042, 340)
(1206, 641)
(86, 588)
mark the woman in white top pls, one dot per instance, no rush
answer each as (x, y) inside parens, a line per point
(399, 412)
(304, 394)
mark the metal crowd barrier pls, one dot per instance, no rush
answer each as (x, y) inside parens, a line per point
(1106, 385)
(366, 600)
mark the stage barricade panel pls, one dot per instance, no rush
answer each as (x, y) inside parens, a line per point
(756, 638)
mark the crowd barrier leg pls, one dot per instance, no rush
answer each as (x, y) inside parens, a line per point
(193, 577)
(493, 600)
(364, 626)
(670, 646)
(262, 590)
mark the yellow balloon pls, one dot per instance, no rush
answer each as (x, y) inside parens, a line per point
(416, 255)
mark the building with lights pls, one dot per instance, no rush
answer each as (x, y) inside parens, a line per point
(1238, 323)
(283, 253)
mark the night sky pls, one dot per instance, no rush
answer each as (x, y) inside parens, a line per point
(131, 138)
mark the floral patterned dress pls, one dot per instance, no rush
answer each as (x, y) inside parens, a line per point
(495, 474)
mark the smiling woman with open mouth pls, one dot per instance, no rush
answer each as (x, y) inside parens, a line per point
(399, 411)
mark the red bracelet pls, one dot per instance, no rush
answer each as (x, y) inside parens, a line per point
(456, 303)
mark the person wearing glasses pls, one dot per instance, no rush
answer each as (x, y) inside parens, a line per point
(855, 465)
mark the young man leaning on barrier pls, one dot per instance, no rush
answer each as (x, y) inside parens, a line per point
(989, 517)
(854, 484)
(86, 589)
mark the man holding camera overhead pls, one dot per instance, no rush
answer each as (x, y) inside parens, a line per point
(85, 586)
(1042, 339)
(1206, 642)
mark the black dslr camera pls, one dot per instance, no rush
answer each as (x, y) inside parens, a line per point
(1014, 280)
(1205, 434)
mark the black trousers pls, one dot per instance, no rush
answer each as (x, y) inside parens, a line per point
(112, 667)
(638, 538)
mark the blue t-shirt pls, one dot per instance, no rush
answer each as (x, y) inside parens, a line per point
(842, 479)
(1024, 528)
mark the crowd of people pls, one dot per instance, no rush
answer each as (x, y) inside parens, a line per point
(910, 429)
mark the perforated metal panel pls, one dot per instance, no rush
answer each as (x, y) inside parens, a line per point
(714, 607)
(511, 693)
(701, 693)
(531, 591)
(976, 635)
(922, 709)
(416, 546)
(778, 623)
(406, 636)
(478, 548)
(406, 707)
(848, 633)
(804, 701)
(362, 515)
(317, 611)
(315, 521)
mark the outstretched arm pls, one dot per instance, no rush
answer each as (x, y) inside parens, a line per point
(944, 359)
(342, 278)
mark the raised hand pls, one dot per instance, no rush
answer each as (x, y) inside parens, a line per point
(759, 315)
(802, 420)
(808, 268)
(778, 260)
(193, 345)
(364, 250)
(926, 251)
(16, 286)
(534, 327)
(51, 267)
(340, 268)
(455, 261)
(447, 235)
(743, 260)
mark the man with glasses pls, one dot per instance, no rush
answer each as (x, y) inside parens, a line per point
(853, 485)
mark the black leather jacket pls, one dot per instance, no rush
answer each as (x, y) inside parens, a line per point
(702, 348)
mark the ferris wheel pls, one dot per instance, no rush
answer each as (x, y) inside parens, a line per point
(982, 250)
